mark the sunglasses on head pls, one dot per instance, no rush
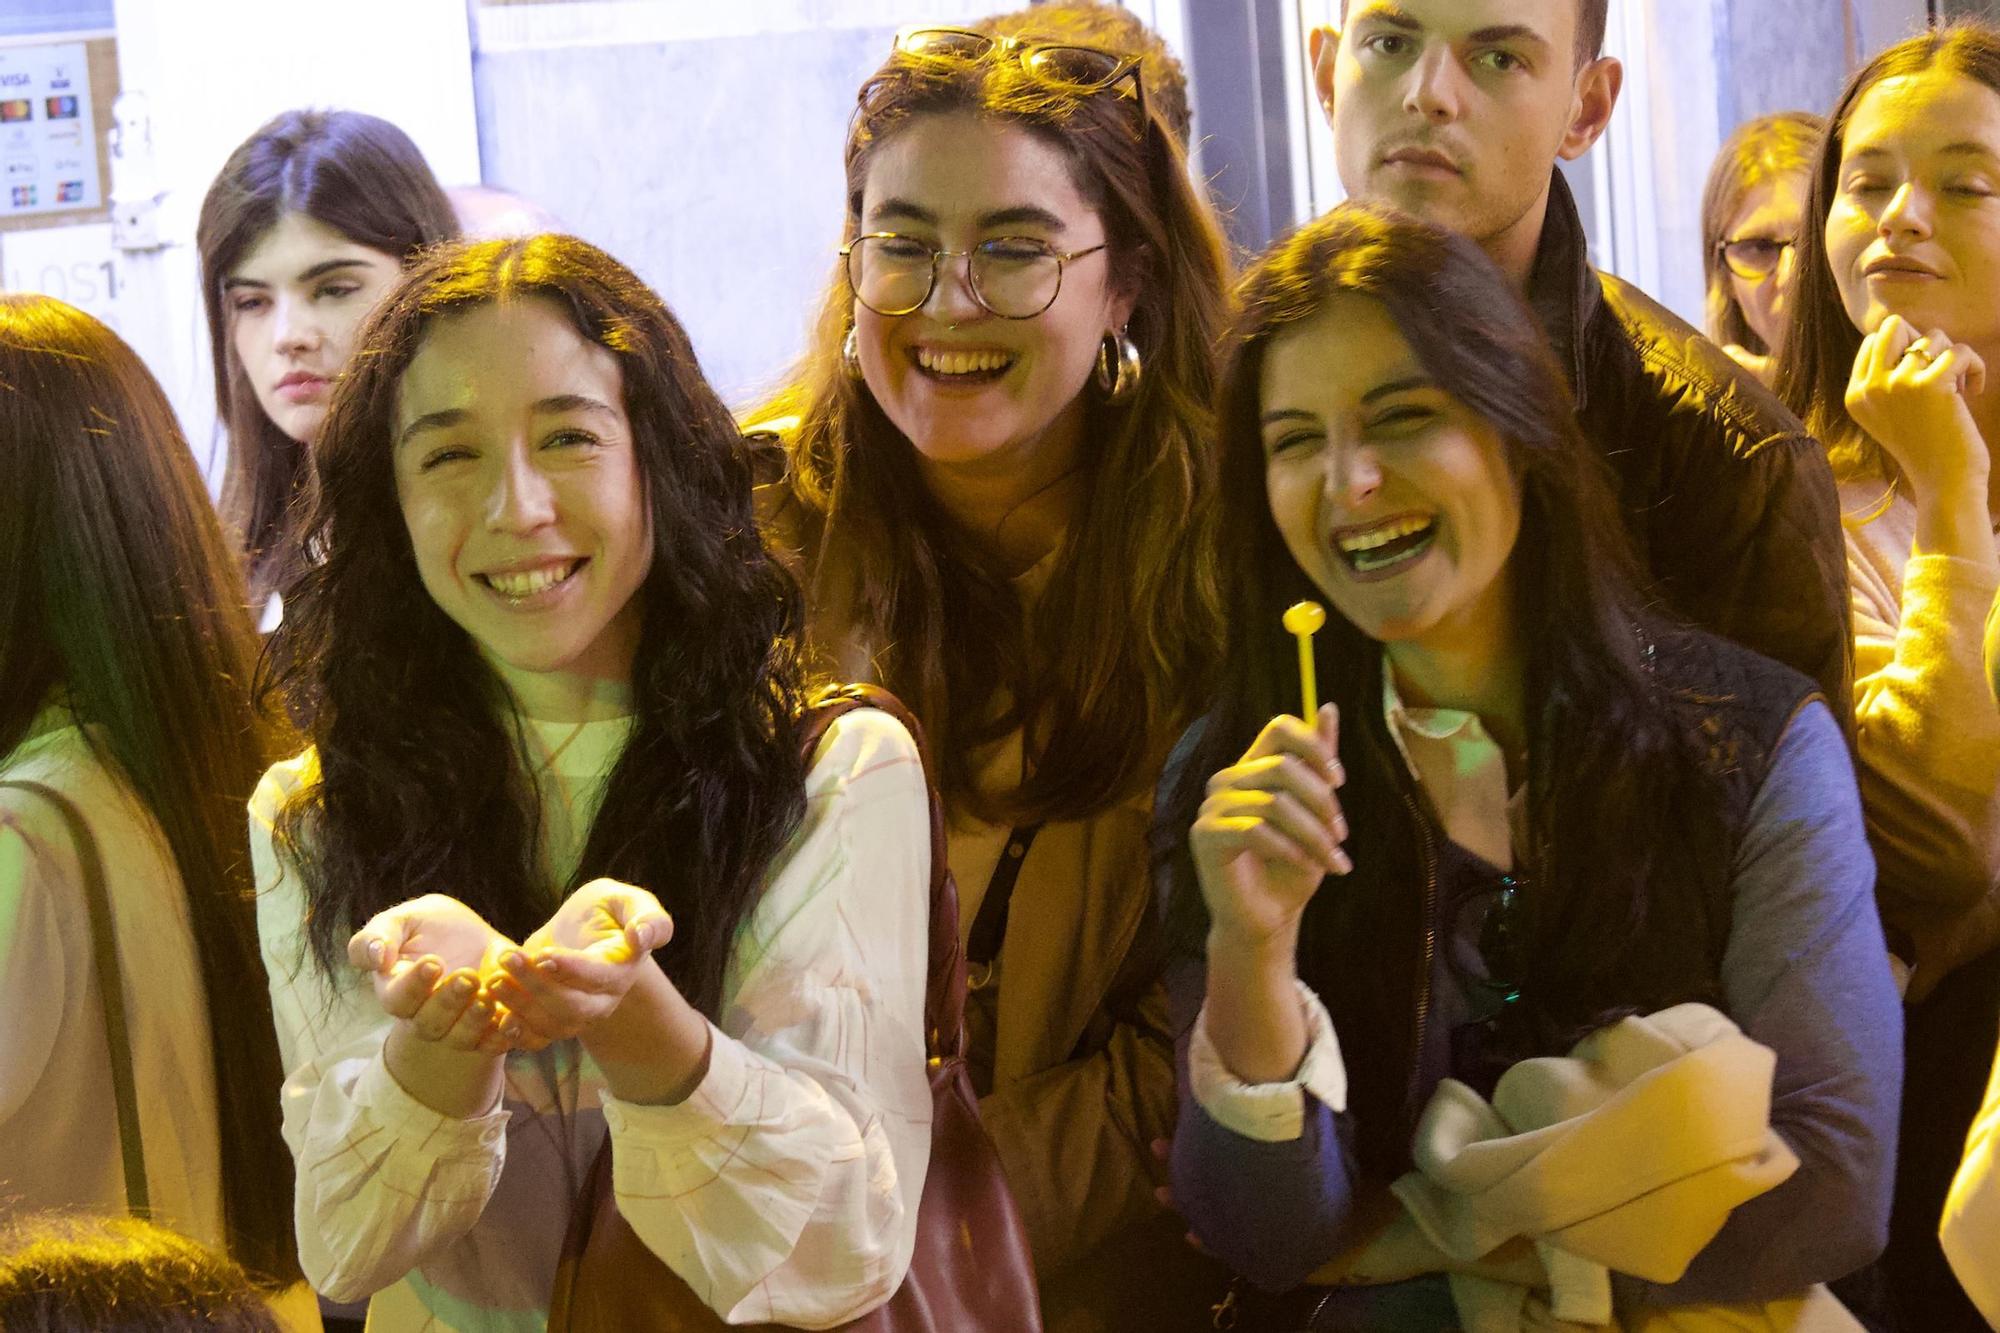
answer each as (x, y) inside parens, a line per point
(1081, 68)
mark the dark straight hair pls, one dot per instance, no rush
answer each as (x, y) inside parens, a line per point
(1116, 654)
(355, 173)
(422, 782)
(1616, 772)
(1818, 357)
(118, 589)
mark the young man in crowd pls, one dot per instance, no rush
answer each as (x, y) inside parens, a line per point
(1458, 111)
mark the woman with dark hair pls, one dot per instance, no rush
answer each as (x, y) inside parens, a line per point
(306, 226)
(546, 661)
(1750, 215)
(125, 662)
(1556, 818)
(1895, 335)
(998, 493)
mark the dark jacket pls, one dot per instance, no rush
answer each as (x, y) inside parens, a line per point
(1729, 502)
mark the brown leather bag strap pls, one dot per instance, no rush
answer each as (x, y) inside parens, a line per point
(944, 991)
(110, 989)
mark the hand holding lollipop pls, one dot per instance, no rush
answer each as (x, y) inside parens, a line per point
(1271, 828)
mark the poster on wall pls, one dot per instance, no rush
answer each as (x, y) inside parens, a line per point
(48, 159)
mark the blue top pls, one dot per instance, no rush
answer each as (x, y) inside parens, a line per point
(1805, 972)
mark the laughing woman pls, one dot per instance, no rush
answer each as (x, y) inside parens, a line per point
(998, 490)
(1531, 811)
(548, 649)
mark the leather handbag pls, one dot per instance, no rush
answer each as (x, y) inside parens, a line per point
(971, 1270)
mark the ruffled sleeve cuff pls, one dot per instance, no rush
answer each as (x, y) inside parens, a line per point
(462, 1154)
(1270, 1112)
(744, 1157)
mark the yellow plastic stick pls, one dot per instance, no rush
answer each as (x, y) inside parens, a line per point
(1304, 619)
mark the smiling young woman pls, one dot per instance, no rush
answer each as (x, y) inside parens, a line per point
(554, 871)
(996, 484)
(1531, 810)
(307, 224)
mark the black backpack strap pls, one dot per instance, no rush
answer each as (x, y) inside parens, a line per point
(110, 988)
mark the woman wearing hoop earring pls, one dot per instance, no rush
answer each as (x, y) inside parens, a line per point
(996, 485)
(1891, 360)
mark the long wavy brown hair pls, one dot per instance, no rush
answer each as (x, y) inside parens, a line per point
(118, 588)
(1117, 651)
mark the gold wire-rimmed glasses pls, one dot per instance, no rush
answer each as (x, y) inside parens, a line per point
(1014, 277)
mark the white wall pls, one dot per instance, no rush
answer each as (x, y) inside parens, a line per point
(700, 144)
(212, 71)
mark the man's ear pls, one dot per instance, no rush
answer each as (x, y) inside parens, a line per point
(1597, 88)
(1322, 49)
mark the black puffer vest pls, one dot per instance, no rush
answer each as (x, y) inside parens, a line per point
(1370, 944)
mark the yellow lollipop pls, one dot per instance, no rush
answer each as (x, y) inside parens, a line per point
(1304, 619)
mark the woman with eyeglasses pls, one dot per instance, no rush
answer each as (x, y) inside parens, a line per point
(996, 487)
(1530, 809)
(1750, 215)
(1892, 359)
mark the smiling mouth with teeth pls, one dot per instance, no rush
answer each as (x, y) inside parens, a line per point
(1386, 544)
(961, 367)
(519, 587)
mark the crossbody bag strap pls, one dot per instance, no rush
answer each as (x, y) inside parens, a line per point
(944, 988)
(111, 990)
(989, 928)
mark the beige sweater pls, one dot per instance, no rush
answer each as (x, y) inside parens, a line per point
(1929, 734)
(1590, 1163)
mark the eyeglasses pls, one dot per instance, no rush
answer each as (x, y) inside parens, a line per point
(1753, 257)
(1080, 68)
(1501, 940)
(1014, 277)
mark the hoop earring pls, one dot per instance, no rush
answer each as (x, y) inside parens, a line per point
(1119, 367)
(850, 353)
